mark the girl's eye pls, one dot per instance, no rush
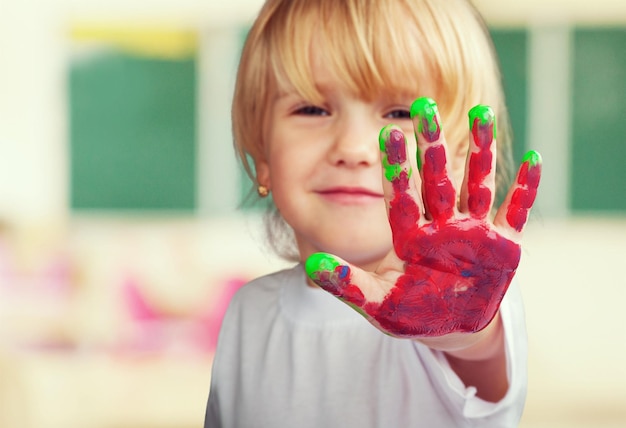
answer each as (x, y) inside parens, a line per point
(311, 111)
(398, 114)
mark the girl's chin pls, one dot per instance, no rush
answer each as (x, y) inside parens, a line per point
(368, 261)
(358, 246)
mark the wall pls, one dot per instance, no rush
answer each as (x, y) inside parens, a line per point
(571, 269)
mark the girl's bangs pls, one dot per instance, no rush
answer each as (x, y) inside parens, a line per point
(371, 52)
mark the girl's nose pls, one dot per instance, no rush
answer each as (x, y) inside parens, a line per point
(355, 144)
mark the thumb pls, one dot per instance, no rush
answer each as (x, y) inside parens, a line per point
(345, 281)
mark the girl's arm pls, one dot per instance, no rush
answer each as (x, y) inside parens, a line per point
(482, 362)
(451, 265)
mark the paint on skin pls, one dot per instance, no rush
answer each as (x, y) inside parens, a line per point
(403, 211)
(482, 120)
(483, 129)
(525, 193)
(427, 122)
(392, 143)
(334, 277)
(454, 281)
(439, 192)
(425, 116)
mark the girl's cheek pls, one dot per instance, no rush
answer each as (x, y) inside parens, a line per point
(457, 164)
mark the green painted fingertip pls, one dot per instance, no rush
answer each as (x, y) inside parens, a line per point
(532, 157)
(424, 113)
(484, 114)
(393, 149)
(424, 106)
(320, 262)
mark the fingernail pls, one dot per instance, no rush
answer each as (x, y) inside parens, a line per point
(392, 143)
(482, 121)
(531, 170)
(532, 157)
(318, 263)
(425, 116)
(523, 198)
(327, 272)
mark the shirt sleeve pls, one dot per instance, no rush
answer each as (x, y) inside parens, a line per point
(212, 416)
(507, 411)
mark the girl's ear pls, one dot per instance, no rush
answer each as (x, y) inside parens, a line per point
(263, 173)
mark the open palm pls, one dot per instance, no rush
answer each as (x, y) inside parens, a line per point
(451, 264)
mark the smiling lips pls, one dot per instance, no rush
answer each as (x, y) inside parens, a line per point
(350, 195)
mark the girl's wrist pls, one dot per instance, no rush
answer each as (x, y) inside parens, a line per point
(483, 345)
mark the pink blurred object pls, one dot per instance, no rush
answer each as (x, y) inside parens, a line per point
(55, 277)
(136, 304)
(153, 329)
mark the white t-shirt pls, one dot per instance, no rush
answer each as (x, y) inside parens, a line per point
(290, 355)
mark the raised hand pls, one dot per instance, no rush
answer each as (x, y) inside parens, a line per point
(452, 265)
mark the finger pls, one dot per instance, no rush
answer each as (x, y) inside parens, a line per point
(437, 188)
(477, 191)
(345, 281)
(402, 198)
(513, 213)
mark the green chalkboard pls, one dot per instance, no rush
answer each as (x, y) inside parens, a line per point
(132, 133)
(511, 47)
(598, 176)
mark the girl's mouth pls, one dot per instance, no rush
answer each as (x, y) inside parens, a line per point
(350, 195)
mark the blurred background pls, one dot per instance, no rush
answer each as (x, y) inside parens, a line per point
(124, 231)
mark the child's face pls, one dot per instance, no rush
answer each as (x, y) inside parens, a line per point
(322, 164)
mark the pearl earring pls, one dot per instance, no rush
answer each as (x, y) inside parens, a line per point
(262, 191)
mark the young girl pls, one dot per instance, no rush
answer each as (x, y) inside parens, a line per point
(428, 336)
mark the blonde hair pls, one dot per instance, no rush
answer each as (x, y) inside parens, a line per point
(436, 48)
